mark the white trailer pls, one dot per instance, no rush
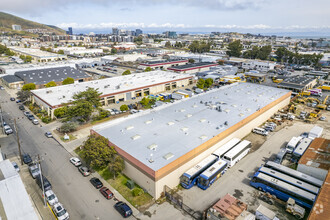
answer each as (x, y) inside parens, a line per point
(315, 132)
(263, 213)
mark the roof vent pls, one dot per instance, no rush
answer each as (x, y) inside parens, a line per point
(184, 129)
(148, 122)
(203, 137)
(135, 137)
(241, 114)
(234, 105)
(182, 110)
(188, 115)
(129, 127)
(202, 120)
(170, 123)
(168, 156)
(152, 147)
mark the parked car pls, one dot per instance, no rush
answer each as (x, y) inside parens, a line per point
(51, 197)
(27, 158)
(260, 131)
(96, 182)
(34, 170)
(75, 161)
(123, 209)
(60, 212)
(30, 117)
(35, 121)
(47, 185)
(106, 192)
(15, 166)
(323, 118)
(48, 134)
(21, 107)
(26, 113)
(18, 101)
(12, 99)
(8, 129)
(84, 171)
(1, 88)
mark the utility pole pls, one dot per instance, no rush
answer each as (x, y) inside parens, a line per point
(42, 181)
(3, 127)
(18, 143)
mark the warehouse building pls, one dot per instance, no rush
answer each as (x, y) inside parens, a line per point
(38, 55)
(163, 64)
(193, 67)
(297, 83)
(315, 161)
(12, 81)
(159, 145)
(40, 77)
(114, 90)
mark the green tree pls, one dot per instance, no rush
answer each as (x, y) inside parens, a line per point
(200, 83)
(22, 57)
(61, 112)
(208, 82)
(147, 69)
(68, 127)
(281, 53)
(29, 86)
(264, 52)
(168, 44)
(82, 109)
(23, 95)
(123, 108)
(67, 81)
(116, 164)
(191, 61)
(113, 50)
(96, 151)
(50, 84)
(90, 95)
(28, 59)
(126, 72)
(43, 48)
(145, 101)
(60, 52)
(235, 48)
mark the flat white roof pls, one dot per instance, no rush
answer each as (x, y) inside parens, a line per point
(36, 52)
(184, 125)
(63, 94)
(13, 196)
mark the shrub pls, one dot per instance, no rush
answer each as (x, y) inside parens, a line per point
(68, 127)
(61, 112)
(137, 192)
(123, 108)
(46, 119)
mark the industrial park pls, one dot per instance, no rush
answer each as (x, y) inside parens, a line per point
(146, 121)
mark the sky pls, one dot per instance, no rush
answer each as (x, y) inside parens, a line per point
(246, 16)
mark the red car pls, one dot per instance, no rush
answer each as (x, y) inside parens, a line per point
(106, 192)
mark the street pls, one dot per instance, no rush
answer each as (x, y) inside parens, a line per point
(74, 191)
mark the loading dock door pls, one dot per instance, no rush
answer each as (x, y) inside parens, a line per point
(128, 96)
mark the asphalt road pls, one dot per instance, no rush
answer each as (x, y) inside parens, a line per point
(74, 191)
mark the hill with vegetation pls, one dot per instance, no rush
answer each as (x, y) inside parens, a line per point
(7, 20)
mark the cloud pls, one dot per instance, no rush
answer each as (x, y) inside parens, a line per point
(43, 6)
(110, 25)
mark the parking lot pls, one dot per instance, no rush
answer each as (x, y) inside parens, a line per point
(236, 180)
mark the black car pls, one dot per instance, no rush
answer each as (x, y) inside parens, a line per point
(96, 182)
(12, 99)
(47, 185)
(123, 209)
(21, 107)
(27, 158)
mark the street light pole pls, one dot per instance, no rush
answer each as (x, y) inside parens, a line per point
(42, 181)
(3, 127)
(18, 143)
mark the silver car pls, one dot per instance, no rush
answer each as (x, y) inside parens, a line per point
(51, 197)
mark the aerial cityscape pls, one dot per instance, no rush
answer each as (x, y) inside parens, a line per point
(157, 110)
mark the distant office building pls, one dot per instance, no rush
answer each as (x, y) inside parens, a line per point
(70, 31)
(138, 32)
(170, 34)
(16, 27)
(115, 31)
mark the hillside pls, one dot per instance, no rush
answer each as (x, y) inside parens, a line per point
(7, 20)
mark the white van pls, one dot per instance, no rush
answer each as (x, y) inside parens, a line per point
(260, 131)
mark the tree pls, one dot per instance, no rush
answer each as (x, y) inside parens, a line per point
(29, 87)
(60, 52)
(281, 52)
(200, 83)
(116, 164)
(67, 81)
(68, 127)
(82, 109)
(145, 101)
(50, 84)
(191, 60)
(234, 48)
(43, 48)
(113, 50)
(168, 44)
(147, 69)
(126, 72)
(123, 108)
(264, 52)
(90, 95)
(208, 82)
(97, 152)
(61, 112)
(200, 47)
(28, 59)
(23, 95)
(221, 62)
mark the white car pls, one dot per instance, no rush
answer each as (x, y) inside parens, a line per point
(35, 121)
(15, 166)
(8, 129)
(60, 212)
(75, 161)
(51, 197)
